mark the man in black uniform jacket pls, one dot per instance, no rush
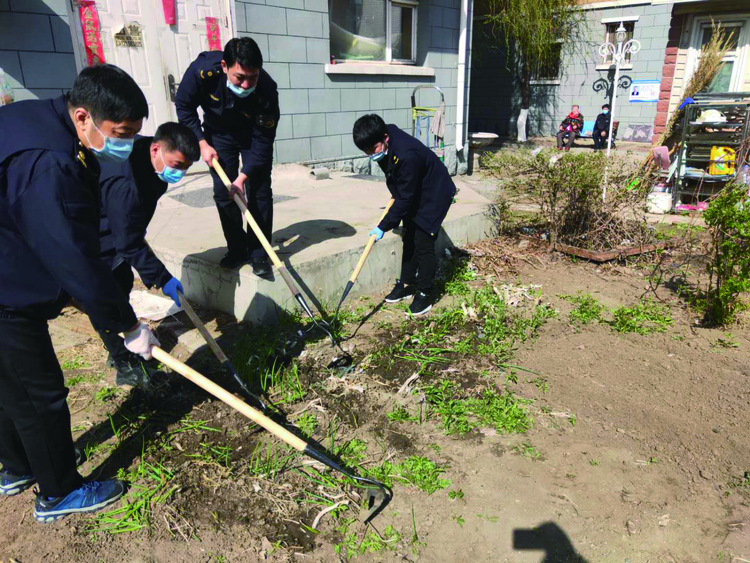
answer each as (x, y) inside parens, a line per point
(423, 191)
(130, 192)
(240, 105)
(601, 128)
(49, 252)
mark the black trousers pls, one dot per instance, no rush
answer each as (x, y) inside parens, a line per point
(419, 261)
(257, 190)
(112, 341)
(599, 141)
(561, 139)
(35, 435)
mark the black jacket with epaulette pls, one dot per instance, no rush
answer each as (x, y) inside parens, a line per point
(204, 85)
(418, 181)
(49, 220)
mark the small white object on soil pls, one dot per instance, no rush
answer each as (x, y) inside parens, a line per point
(152, 307)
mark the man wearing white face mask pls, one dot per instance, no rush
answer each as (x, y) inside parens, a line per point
(240, 105)
(130, 192)
(49, 252)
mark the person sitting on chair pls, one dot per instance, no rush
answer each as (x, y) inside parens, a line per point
(601, 128)
(570, 126)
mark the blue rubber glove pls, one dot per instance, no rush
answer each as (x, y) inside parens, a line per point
(172, 289)
(378, 233)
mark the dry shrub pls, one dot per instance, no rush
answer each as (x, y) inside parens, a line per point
(568, 190)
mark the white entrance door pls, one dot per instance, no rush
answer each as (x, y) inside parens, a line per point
(166, 50)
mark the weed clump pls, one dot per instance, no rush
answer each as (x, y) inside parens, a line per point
(644, 318)
(586, 310)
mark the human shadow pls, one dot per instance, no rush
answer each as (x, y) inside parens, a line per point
(551, 539)
(297, 237)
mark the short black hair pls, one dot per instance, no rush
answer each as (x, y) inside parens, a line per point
(368, 131)
(178, 137)
(243, 50)
(605, 106)
(108, 93)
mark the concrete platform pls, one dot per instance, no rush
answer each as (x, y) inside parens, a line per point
(320, 230)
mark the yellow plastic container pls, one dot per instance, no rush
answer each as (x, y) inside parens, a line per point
(722, 161)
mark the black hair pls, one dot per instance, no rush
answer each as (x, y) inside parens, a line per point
(178, 137)
(243, 50)
(605, 106)
(368, 131)
(108, 93)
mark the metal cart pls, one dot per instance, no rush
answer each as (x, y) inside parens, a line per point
(423, 115)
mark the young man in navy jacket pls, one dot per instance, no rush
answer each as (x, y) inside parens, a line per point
(423, 192)
(130, 192)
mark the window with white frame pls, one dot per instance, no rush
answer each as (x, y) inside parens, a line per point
(726, 80)
(610, 36)
(373, 31)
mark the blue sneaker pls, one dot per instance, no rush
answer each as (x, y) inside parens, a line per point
(89, 497)
(11, 485)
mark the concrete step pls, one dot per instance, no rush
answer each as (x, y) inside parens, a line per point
(320, 230)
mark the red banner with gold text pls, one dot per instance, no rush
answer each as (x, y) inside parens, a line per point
(92, 37)
(214, 34)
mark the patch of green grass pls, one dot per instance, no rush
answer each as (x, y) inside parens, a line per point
(307, 423)
(727, 342)
(459, 415)
(83, 378)
(527, 450)
(493, 519)
(106, 394)
(423, 474)
(459, 520)
(187, 424)
(586, 309)
(541, 384)
(353, 452)
(457, 273)
(456, 495)
(75, 363)
(643, 318)
(400, 414)
(214, 453)
(371, 542)
(150, 485)
(270, 461)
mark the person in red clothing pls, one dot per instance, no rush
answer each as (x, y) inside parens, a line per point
(570, 126)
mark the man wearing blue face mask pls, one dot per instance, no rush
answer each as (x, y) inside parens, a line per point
(240, 105)
(50, 152)
(130, 192)
(422, 191)
(601, 129)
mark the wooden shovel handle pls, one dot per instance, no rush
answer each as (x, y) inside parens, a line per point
(188, 308)
(248, 216)
(225, 396)
(368, 248)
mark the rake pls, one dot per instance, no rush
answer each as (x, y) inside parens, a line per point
(378, 494)
(360, 264)
(345, 359)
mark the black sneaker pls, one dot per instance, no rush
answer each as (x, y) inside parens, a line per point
(399, 293)
(134, 372)
(261, 267)
(420, 305)
(89, 497)
(232, 261)
(11, 485)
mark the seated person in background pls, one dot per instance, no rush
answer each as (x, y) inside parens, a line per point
(130, 192)
(570, 126)
(601, 128)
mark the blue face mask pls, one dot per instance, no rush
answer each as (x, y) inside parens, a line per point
(114, 149)
(168, 174)
(377, 156)
(239, 92)
(605, 111)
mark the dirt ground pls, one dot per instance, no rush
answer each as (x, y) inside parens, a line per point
(637, 452)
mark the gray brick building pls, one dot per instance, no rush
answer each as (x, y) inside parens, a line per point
(670, 33)
(382, 50)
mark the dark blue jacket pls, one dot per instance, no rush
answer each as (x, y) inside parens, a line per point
(418, 181)
(130, 192)
(204, 85)
(49, 219)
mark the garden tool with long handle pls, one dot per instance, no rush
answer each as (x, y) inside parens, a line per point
(378, 494)
(361, 263)
(218, 352)
(280, 266)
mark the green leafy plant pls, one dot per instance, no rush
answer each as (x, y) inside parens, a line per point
(400, 414)
(423, 474)
(595, 462)
(106, 394)
(459, 520)
(75, 363)
(727, 342)
(586, 310)
(728, 222)
(643, 318)
(456, 495)
(527, 450)
(307, 423)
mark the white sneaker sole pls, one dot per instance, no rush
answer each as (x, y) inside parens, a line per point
(53, 515)
(16, 488)
(400, 299)
(420, 313)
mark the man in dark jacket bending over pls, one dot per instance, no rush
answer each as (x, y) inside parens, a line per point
(423, 192)
(130, 192)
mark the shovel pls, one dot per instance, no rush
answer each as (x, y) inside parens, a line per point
(360, 264)
(220, 355)
(280, 266)
(377, 498)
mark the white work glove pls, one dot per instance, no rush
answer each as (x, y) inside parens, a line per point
(140, 340)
